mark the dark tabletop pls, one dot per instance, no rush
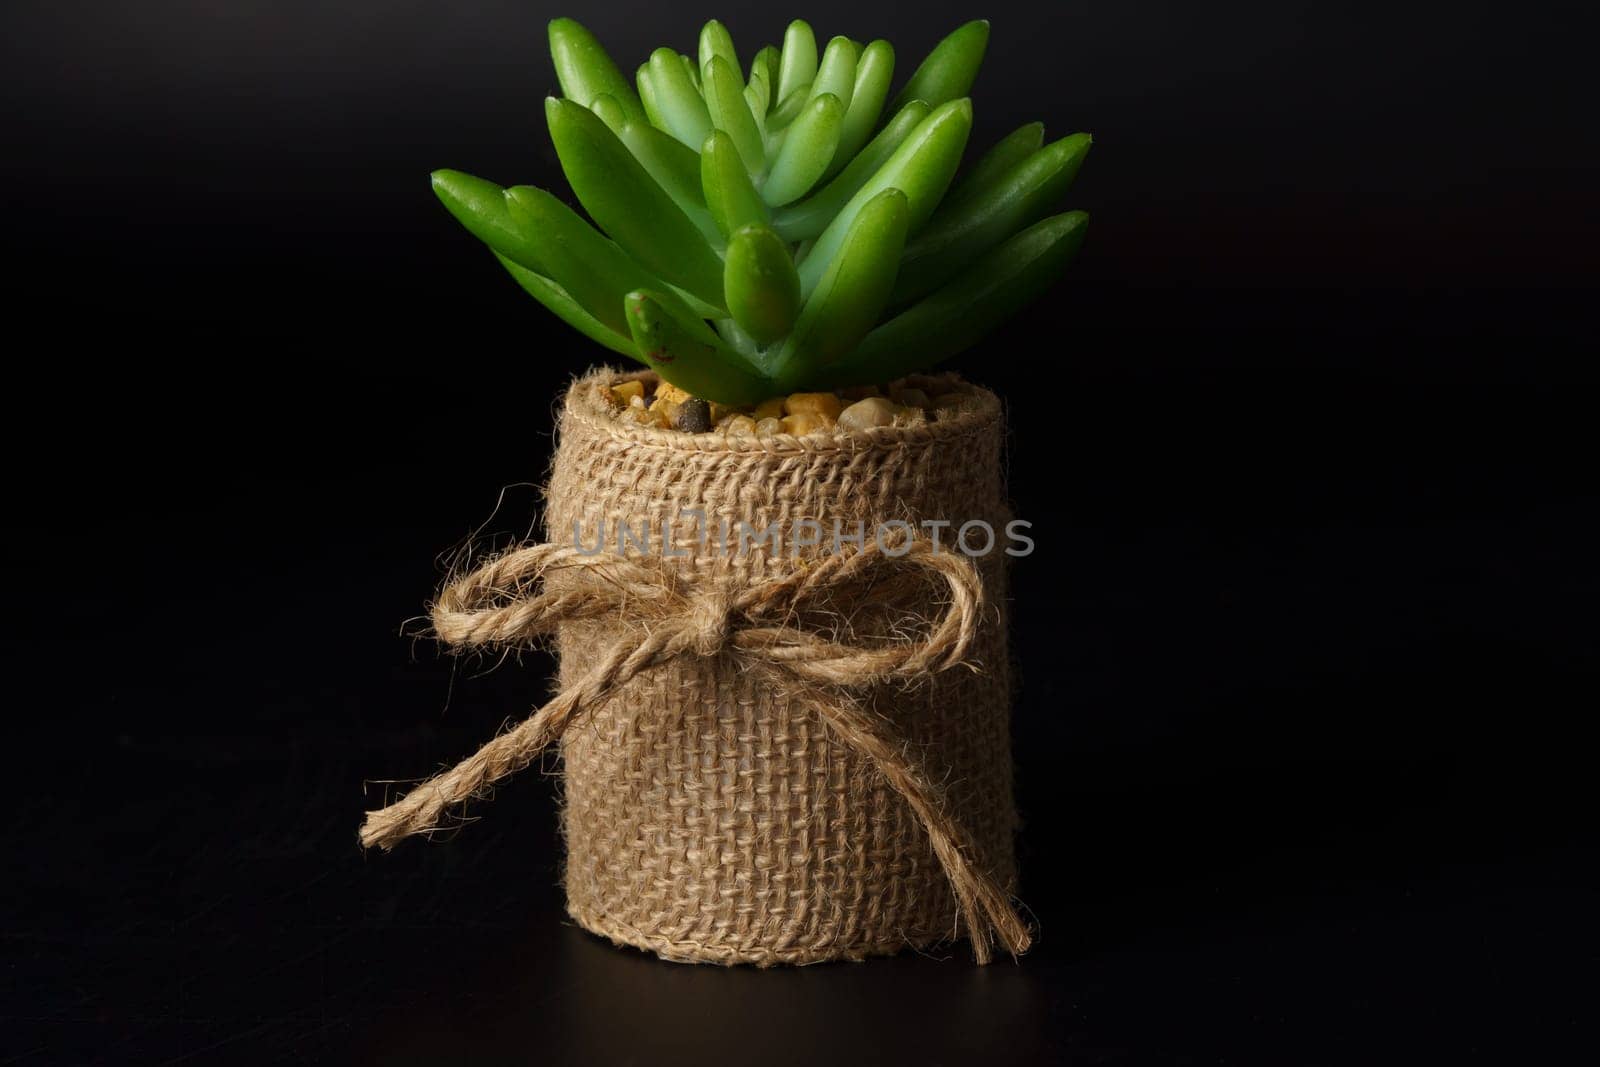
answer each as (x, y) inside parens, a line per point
(1303, 652)
(1294, 747)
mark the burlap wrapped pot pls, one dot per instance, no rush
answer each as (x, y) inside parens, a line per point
(734, 793)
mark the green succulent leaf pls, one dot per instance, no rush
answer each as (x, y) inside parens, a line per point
(675, 349)
(852, 294)
(837, 72)
(805, 221)
(874, 71)
(672, 97)
(921, 168)
(590, 268)
(693, 70)
(752, 99)
(730, 113)
(957, 235)
(675, 169)
(807, 150)
(567, 309)
(480, 206)
(586, 71)
(610, 113)
(767, 61)
(648, 99)
(715, 40)
(735, 335)
(758, 93)
(797, 64)
(789, 108)
(619, 194)
(1006, 153)
(730, 195)
(762, 286)
(962, 312)
(950, 69)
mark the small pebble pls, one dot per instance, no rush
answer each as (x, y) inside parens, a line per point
(804, 422)
(671, 393)
(873, 411)
(768, 409)
(666, 406)
(850, 408)
(694, 416)
(813, 404)
(624, 392)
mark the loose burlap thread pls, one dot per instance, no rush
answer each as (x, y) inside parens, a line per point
(777, 763)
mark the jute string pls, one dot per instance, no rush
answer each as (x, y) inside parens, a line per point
(665, 613)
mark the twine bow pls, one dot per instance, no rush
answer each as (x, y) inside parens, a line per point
(530, 592)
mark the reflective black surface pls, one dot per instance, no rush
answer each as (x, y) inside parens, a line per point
(1293, 747)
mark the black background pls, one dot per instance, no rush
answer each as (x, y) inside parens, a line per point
(1306, 437)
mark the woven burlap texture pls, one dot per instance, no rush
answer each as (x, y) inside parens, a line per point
(711, 816)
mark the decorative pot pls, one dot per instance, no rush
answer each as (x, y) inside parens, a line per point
(784, 721)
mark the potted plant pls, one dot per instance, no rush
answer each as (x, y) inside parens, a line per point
(776, 554)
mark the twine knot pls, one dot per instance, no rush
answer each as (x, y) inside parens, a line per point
(708, 621)
(771, 625)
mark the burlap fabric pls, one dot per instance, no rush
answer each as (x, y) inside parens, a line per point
(712, 813)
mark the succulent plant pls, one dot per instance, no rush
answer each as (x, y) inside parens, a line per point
(779, 228)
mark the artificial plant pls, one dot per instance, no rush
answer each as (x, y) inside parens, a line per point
(782, 226)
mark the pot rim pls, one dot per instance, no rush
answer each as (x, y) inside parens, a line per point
(583, 402)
